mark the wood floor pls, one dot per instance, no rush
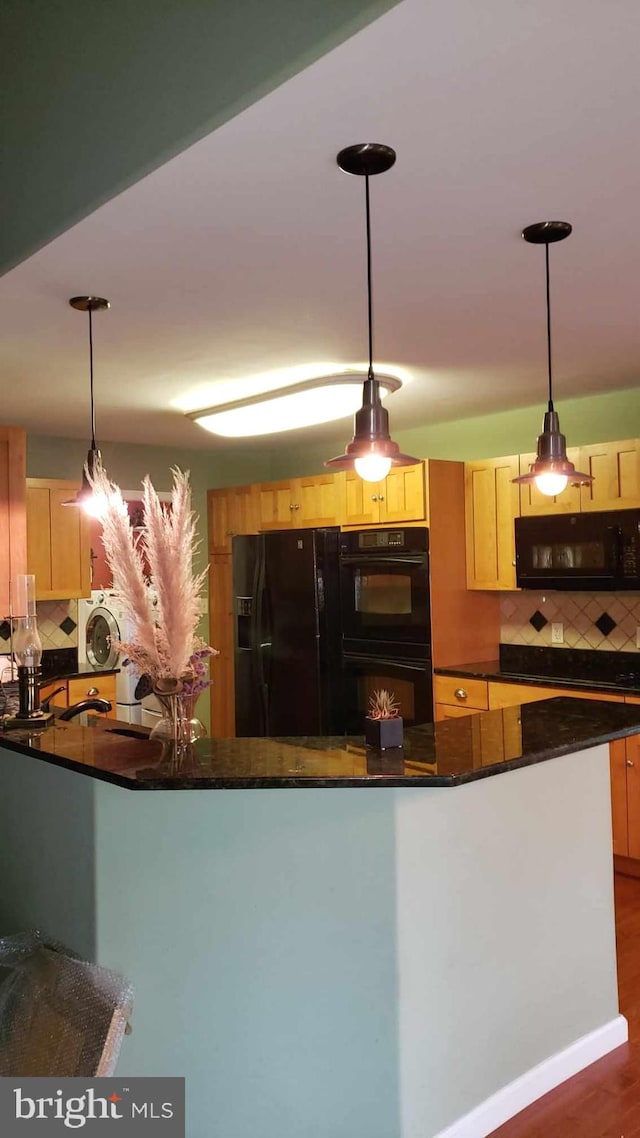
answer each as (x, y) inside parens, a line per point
(604, 1100)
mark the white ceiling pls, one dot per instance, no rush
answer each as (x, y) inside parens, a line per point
(245, 255)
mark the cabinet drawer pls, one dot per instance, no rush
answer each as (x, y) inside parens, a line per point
(461, 691)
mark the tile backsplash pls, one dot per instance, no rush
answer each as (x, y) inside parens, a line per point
(605, 621)
(57, 625)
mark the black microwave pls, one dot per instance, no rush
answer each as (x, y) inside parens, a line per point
(597, 551)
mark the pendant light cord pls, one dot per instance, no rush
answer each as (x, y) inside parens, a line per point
(546, 253)
(375, 392)
(93, 413)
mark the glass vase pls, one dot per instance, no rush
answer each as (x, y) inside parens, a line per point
(178, 724)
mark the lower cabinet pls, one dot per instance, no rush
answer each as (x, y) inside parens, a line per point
(625, 797)
(458, 695)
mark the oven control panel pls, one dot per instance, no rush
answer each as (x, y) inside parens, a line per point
(381, 539)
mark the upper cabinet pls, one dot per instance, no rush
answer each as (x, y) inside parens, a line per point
(13, 558)
(231, 511)
(301, 502)
(616, 475)
(58, 541)
(491, 505)
(400, 497)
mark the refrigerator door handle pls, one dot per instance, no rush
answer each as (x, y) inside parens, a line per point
(259, 642)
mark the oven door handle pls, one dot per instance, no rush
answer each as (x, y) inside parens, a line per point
(386, 662)
(381, 559)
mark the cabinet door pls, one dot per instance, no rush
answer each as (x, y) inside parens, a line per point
(39, 537)
(533, 502)
(450, 711)
(632, 761)
(219, 520)
(491, 505)
(615, 470)
(13, 523)
(70, 547)
(230, 511)
(402, 496)
(278, 509)
(319, 498)
(221, 637)
(63, 570)
(618, 769)
(362, 500)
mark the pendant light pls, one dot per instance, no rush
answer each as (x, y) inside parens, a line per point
(86, 499)
(371, 452)
(552, 471)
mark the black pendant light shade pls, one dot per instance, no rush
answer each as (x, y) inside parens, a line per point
(371, 452)
(85, 497)
(552, 471)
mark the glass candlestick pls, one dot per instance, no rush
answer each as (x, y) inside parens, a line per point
(27, 647)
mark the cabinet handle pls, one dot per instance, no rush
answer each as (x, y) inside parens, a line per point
(460, 693)
(630, 763)
(291, 506)
(514, 564)
(93, 691)
(297, 506)
(381, 497)
(374, 497)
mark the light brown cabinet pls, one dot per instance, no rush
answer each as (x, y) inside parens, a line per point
(491, 506)
(58, 541)
(301, 502)
(232, 510)
(459, 695)
(400, 497)
(13, 558)
(615, 468)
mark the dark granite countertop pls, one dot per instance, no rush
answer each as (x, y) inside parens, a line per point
(490, 670)
(443, 754)
(616, 673)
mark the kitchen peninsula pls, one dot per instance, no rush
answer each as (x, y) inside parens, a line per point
(408, 945)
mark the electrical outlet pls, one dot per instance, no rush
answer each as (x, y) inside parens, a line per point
(557, 632)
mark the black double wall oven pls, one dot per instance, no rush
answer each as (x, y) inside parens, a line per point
(384, 589)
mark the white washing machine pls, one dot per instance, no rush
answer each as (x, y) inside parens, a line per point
(101, 619)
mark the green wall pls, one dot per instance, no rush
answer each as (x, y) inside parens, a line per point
(95, 95)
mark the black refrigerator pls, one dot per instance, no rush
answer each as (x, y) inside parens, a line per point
(286, 595)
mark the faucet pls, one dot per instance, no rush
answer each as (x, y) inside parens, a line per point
(92, 704)
(45, 704)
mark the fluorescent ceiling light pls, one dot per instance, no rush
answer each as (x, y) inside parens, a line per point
(306, 404)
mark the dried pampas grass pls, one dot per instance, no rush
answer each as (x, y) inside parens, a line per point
(164, 642)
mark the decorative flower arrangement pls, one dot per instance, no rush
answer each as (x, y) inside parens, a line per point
(383, 705)
(164, 644)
